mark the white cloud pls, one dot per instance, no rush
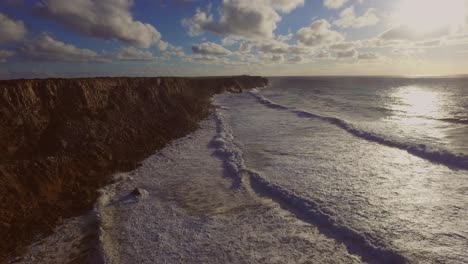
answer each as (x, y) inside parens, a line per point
(295, 59)
(243, 18)
(286, 5)
(209, 48)
(11, 30)
(406, 33)
(5, 55)
(245, 47)
(276, 58)
(199, 22)
(230, 40)
(343, 46)
(284, 38)
(104, 19)
(346, 54)
(46, 48)
(349, 19)
(318, 34)
(216, 60)
(334, 4)
(296, 49)
(368, 56)
(430, 43)
(174, 51)
(203, 58)
(134, 54)
(321, 54)
(274, 47)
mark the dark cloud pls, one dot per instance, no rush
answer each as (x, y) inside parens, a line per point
(11, 30)
(6, 54)
(134, 54)
(46, 48)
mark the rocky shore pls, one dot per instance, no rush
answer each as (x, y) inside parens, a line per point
(61, 139)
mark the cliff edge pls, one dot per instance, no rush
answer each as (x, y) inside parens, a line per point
(61, 139)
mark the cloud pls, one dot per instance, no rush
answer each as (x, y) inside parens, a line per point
(348, 18)
(368, 56)
(104, 19)
(209, 48)
(209, 59)
(11, 30)
(242, 18)
(346, 54)
(230, 40)
(295, 59)
(134, 54)
(276, 58)
(46, 48)
(334, 4)
(284, 38)
(430, 43)
(5, 55)
(321, 54)
(274, 47)
(245, 47)
(295, 49)
(13, 3)
(318, 34)
(203, 58)
(343, 46)
(174, 51)
(408, 34)
(286, 6)
(199, 22)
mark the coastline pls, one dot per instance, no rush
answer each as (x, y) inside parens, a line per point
(65, 137)
(191, 211)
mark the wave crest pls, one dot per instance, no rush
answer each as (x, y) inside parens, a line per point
(441, 156)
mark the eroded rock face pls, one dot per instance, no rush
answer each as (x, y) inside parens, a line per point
(60, 139)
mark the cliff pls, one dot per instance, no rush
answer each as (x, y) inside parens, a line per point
(61, 139)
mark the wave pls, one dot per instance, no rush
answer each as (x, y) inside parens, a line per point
(223, 142)
(368, 248)
(357, 243)
(105, 219)
(267, 102)
(463, 121)
(441, 156)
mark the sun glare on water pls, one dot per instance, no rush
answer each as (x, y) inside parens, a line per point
(427, 15)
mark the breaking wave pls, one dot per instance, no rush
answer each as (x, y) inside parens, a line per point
(230, 154)
(357, 243)
(440, 156)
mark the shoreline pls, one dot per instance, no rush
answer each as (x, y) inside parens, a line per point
(191, 211)
(65, 137)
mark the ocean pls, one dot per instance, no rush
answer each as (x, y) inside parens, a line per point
(382, 161)
(305, 170)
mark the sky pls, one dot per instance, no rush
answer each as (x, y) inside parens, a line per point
(85, 38)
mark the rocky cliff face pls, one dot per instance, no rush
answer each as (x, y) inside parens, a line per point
(60, 139)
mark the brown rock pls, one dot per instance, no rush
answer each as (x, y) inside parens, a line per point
(136, 192)
(63, 138)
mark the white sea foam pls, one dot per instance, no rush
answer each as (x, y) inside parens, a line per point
(422, 150)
